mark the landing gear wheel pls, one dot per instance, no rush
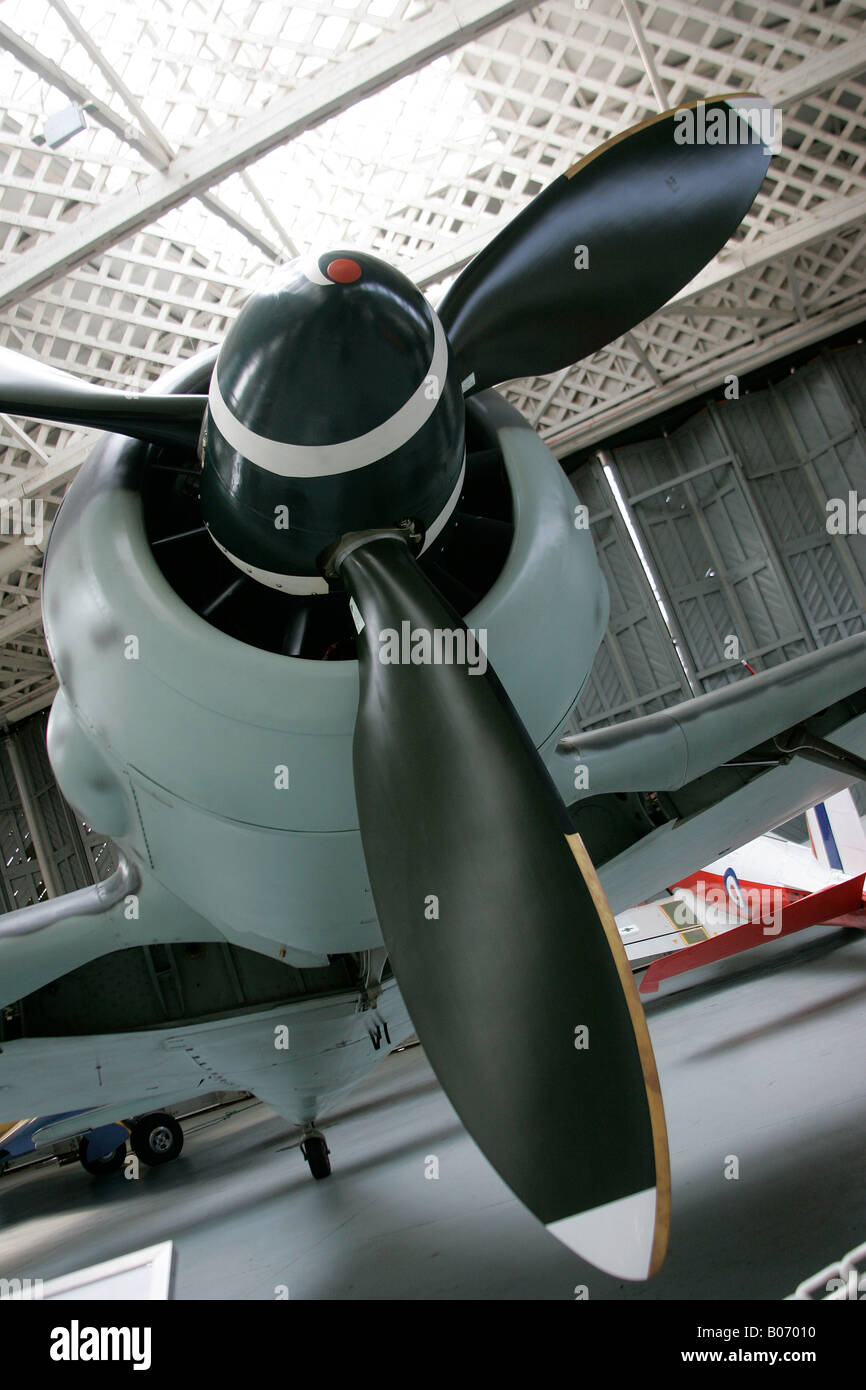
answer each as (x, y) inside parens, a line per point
(156, 1139)
(316, 1151)
(99, 1167)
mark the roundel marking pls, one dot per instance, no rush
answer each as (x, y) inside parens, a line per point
(733, 889)
(343, 271)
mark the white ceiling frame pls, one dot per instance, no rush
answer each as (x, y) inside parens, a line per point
(194, 172)
(146, 139)
(815, 74)
(23, 438)
(636, 409)
(64, 463)
(831, 216)
(54, 75)
(214, 204)
(29, 617)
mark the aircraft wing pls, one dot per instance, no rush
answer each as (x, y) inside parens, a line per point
(42, 942)
(679, 847)
(663, 795)
(329, 1044)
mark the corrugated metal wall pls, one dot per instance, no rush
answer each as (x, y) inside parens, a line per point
(78, 856)
(636, 670)
(730, 511)
(20, 876)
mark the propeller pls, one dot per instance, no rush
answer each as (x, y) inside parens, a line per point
(649, 213)
(500, 936)
(31, 388)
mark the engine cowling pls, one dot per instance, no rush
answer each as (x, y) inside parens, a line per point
(224, 765)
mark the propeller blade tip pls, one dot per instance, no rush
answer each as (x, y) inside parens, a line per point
(618, 1237)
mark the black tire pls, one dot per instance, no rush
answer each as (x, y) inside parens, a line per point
(156, 1139)
(101, 1167)
(315, 1151)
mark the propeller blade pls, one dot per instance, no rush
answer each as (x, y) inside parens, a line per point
(498, 930)
(44, 393)
(648, 212)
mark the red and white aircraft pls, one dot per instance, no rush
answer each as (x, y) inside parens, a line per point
(770, 888)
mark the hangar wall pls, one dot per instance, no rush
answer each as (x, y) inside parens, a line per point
(34, 817)
(731, 512)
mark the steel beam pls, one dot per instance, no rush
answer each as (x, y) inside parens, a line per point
(632, 14)
(14, 713)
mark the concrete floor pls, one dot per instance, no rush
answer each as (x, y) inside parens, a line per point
(768, 1064)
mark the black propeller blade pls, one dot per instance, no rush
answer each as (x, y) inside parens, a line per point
(31, 388)
(649, 211)
(501, 938)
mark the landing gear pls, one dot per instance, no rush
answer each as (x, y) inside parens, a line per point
(316, 1151)
(100, 1167)
(156, 1139)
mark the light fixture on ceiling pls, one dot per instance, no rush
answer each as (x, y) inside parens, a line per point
(60, 126)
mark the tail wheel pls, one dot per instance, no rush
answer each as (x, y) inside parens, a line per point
(316, 1152)
(99, 1167)
(156, 1139)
